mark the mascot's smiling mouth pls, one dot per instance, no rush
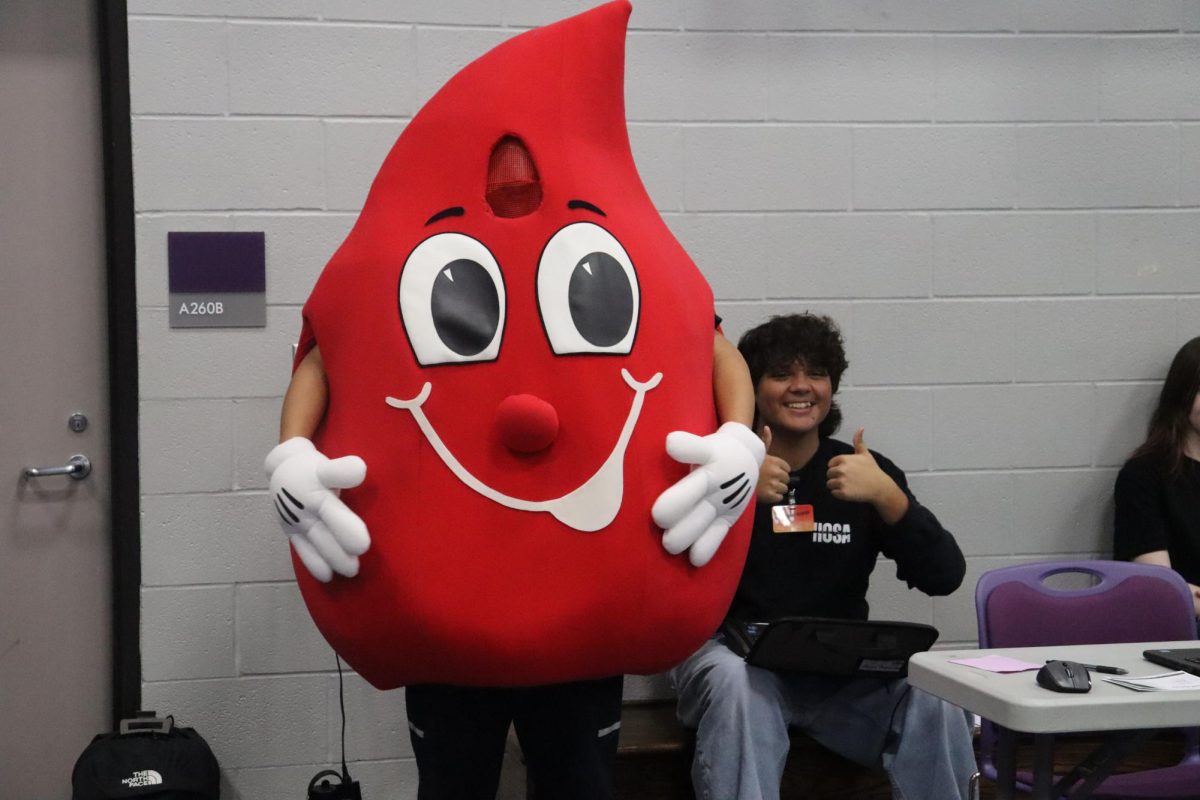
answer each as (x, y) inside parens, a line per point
(588, 508)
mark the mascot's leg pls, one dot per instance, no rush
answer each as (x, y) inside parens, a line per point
(458, 737)
(568, 733)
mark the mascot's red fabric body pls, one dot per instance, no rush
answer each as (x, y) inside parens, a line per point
(509, 333)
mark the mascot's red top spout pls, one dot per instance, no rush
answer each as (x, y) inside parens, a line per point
(509, 333)
(561, 88)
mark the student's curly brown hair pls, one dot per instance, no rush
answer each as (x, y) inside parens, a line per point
(811, 339)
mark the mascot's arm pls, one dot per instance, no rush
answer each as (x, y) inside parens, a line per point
(732, 389)
(306, 398)
(327, 535)
(698, 511)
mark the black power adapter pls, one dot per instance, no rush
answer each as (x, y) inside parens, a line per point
(322, 787)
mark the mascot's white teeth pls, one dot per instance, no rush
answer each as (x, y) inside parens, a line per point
(588, 508)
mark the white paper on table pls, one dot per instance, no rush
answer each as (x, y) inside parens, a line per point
(1160, 682)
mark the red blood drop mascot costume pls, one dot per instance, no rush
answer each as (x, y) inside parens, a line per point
(509, 334)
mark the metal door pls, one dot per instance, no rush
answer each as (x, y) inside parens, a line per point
(55, 574)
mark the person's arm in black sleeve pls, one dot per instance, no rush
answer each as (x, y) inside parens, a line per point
(926, 555)
(1139, 527)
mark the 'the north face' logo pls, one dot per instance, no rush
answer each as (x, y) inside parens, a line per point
(145, 777)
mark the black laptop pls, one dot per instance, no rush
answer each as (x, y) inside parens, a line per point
(1186, 659)
(830, 646)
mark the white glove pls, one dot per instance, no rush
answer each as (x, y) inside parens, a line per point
(327, 535)
(698, 511)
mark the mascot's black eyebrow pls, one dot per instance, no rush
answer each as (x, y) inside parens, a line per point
(455, 211)
(586, 206)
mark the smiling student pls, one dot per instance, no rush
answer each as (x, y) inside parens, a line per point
(826, 510)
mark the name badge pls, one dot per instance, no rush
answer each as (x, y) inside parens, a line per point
(791, 518)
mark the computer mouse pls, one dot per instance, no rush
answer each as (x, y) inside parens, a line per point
(1065, 676)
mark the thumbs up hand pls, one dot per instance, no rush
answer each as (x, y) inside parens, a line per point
(773, 475)
(856, 477)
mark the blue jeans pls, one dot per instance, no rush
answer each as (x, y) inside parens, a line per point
(742, 714)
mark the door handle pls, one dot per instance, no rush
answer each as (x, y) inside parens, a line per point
(77, 467)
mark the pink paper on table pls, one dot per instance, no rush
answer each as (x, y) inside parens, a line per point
(996, 663)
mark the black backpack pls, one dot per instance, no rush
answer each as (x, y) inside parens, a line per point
(149, 758)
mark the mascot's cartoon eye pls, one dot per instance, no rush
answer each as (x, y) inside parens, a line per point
(587, 292)
(452, 300)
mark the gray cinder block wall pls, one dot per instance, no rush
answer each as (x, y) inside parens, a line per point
(998, 199)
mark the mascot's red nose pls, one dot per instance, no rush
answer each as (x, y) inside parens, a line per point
(526, 423)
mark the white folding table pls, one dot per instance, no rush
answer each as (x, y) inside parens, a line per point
(1016, 703)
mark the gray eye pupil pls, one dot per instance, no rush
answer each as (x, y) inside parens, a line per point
(465, 306)
(601, 299)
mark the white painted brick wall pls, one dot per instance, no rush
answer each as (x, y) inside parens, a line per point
(931, 341)
(196, 426)
(444, 52)
(1148, 253)
(1093, 339)
(1189, 166)
(732, 250)
(1013, 254)
(1007, 426)
(353, 152)
(986, 79)
(197, 83)
(233, 163)
(251, 721)
(1187, 312)
(448, 12)
(376, 725)
(529, 13)
(255, 432)
(272, 69)
(999, 200)
(1119, 424)
(658, 152)
(1117, 16)
(848, 255)
(897, 422)
(209, 538)
(1085, 166)
(976, 506)
(765, 167)
(857, 15)
(1153, 77)
(1062, 511)
(183, 363)
(840, 78)
(927, 166)
(188, 632)
(736, 90)
(275, 633)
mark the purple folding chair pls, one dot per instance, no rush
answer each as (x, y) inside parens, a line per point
(1128, 603)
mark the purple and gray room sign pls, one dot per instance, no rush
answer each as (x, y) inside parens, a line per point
(217, 279)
